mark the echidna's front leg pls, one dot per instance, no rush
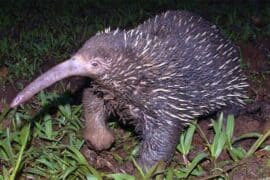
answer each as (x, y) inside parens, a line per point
(96, 133)
(159, 142)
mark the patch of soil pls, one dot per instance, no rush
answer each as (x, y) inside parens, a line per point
(255, 56)
(115, 158)
(7, 93)
(257, 167)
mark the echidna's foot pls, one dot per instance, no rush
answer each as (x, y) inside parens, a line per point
(96, 133)
(99, 139)
(159, 143)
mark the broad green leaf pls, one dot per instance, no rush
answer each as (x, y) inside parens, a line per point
(230, 127)
(220, 144)
(120, 176)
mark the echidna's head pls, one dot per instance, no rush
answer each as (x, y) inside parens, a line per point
(98, 54)
(94, 60)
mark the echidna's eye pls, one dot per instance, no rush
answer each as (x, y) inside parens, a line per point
(95, 64)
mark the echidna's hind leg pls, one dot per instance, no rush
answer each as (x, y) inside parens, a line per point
(96, 133)
(159, 142)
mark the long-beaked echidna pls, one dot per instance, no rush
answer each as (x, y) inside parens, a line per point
(162, 74)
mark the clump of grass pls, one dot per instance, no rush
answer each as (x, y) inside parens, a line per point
(52, 147)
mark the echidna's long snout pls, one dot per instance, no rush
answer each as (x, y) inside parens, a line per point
(68, 68)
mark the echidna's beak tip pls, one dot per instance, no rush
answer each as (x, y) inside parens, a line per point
(15, 102)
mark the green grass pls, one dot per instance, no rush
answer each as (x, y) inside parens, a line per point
(53, 147)
(39, 142)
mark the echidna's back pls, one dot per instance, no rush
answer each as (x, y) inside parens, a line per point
(201, 65)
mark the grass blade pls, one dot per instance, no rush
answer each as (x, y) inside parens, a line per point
(83, 161)
(258, 143)
(230, 127)
(24, 137)
(120, 176)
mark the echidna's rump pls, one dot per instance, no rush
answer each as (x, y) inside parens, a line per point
(162, 74)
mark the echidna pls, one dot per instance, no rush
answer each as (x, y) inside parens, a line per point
(162, 74)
